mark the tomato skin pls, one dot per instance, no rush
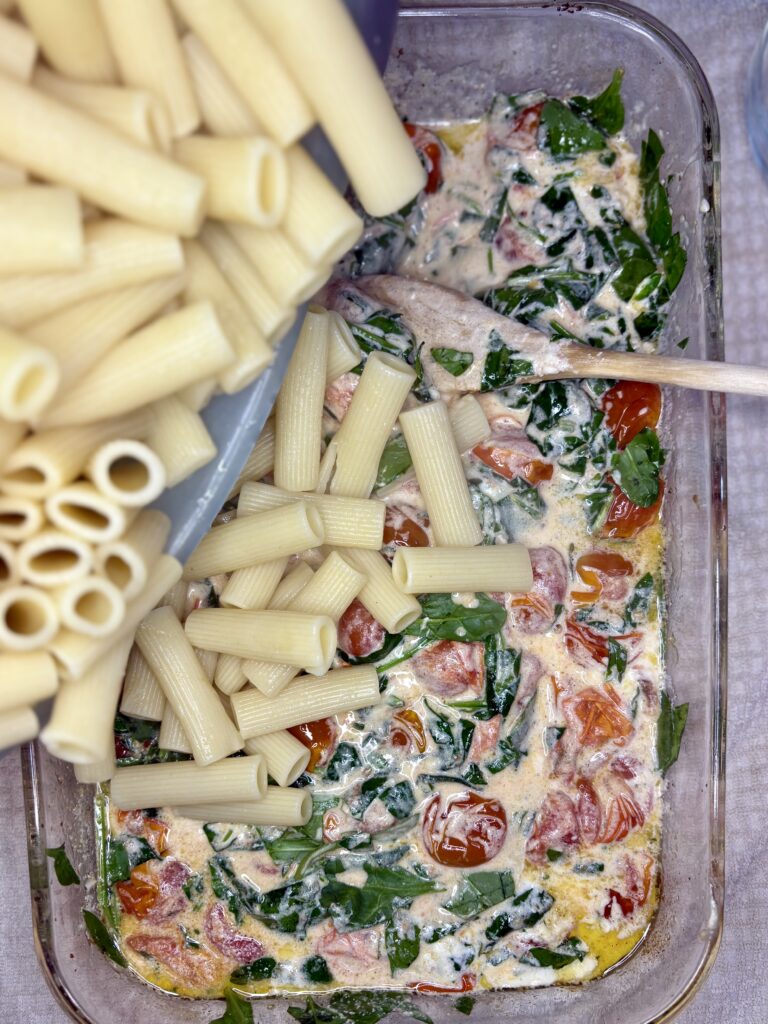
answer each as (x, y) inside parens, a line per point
(594, 643)
(630, 406)
(506, 462)
(319, 736)
(625, 519)
(401, 530)
(156, 834)
(467, 983)
(359, 634)
(598, 716)
(469, 830)
(139, 894)
(431, 153)
(410, 732)
(593, 568)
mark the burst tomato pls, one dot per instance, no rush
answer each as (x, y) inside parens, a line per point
(409, 731)
(139, 894)
(465, 831)
(156, 834)
(359, 634)
(599, 571)
(625, 519)
(402, 530)
(467, 983)
(630, 406)
(597, 715)
(513, 462)
(319, 736)
(431, 153)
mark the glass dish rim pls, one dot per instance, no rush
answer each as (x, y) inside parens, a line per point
(615, 10)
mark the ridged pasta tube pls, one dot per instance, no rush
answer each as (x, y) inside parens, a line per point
(41, 228)
(290, 277)
(500, 567)
(469, 423)
(84, 511)
(127, 471)
(127, 561)
(90, 605)
(28, 618)
(253, 586)
(18, 726)
(171, 735)
(18, 49)
(53, 558)
(152, 785)
(381, 595)
(27, 679)
(9, 564)
(142, 696)
(286, 756)
(229, 676)
(20, 518)
(279, 807)
(223, 110)
(291, 585)
(343, 351)
(180, 438)
(72, 37)
(29, 377)
(261, 460)
(96, 771)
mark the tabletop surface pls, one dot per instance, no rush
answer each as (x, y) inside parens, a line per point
(722, 35)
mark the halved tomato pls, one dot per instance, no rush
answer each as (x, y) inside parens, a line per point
(319, 736)
(139, 894)
(630, 406)
(409, 731)
(625, 519)
(402, 530)
(598, 716)
(597, 569)
(465, 831)
(430, 150)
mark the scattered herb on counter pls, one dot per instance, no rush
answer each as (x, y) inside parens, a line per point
(65, 873)
(238, 1011)
(669, 732)
(102, 938)
(465, 1004)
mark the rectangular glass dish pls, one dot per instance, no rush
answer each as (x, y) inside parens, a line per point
(447, 63)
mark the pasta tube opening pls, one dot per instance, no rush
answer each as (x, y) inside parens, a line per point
(92, 606)
(52, 558)
(19, 518)
(128, 472)
(29, 377)
(28, 618)
(84, 511)
(9, 566)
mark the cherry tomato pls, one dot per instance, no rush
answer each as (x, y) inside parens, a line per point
(467, 983)
(156, 833)
(410, 732)
(625, 519)
(139, 894)
(449, 667)
(598, 716)
(622, 816)
(319, 736)
(595, 568)
(630, 407)
(511, 463)
(465, 831)
(528, 119)
(359, 634)
(431, 153)
(403, 531)
(580, 637)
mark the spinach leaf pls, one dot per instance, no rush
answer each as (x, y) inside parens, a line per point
(638, 604)
(238, 1011)
(596, 504)
(290, 847)
(391, 640)
(658, 216)
(479, 891)
(65, 873)
(525, 910)
(232, 837)
(346, 758)
(605, 111)
(443, 619)
(123, 855)
(257, 970)
(315, 968)
(502, 675)
(491, 224)
(526, 497)
(501, 368)
(565, 134)
(453, 360)
(511, 746)
(402, 939)
(240, 895)
(385, 890)
(314, 827)
(562, 955)
(669, 732)
(397, 797)
(635, 260)
(384, 331)
(395, 460)
(617, 661)
(453, 744)
(548, 406)
(103, 939)
(137, 742)
(674, 261)
(292, 908)
(464, 1004)
(591, 867)
(636, 467)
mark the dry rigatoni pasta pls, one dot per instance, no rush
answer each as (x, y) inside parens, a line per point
(180, 348)
(251, 66)
(41, 228)
(381, 595)
(20, 518)
(154, 785)
(12, 176)
(171, 735)
(284, 637)
(305, 700)
(82, 510)
(253, 586)
(327, 57)
(29, 377)
(81, 726)
(255, 539)
(279, 807)
(169, 654)
(96, 771)
(505, 568)
(343, 351)
(127, 471)
(9, 564)
(53, 558)
(90, 605)
(469, 423)
(18, 726)
(286, 757)
(18, 49)
(229, 676)
(367, 425)
(143, 38)
(261, 460)
(223, 109)
(142, 695)
(437, 462)
(64, 145)
(291, 585)
(72, 37)
(26, 679)
(127, 561)
(299, 407)
(286, 272)
(10, 435)
(180, 438)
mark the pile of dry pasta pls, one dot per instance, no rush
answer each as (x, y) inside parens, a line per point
(161, 223)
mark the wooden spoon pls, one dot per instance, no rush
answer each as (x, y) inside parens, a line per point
(443, 317)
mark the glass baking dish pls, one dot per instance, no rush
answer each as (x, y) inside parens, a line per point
(447, 62)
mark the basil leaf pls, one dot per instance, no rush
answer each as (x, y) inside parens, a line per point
(385, 890)
(526, 910)
(564, 954)
(346, 758)
(395, 460)
(464, 1004)
(491, 224)
(638, 604)
(238, 1011)
(65, 873)
(315, 968)
(257, 970)
(103, 939)
(240, 895)
(453, 360)
(605, 111)
(402, 942)
(124, 854)
(565, 134)
(384, 331)
(635, 260)
(669, 732)
(442, 619)
(617, 661)
(637, 467)
(502, 675)
(232, 837)
(501, 368)
(479, 891)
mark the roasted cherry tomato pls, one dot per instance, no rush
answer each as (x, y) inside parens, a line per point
(598, 570)
(409, 730)
(403, 531)
(431, 153)
(139, 894)
(630, 407)
(319, 736)
(509, 463)
(467, 983)
(598, 714)
(465, 830)
(156, 833)
(621, 816)
(625, 519)
(359, 634)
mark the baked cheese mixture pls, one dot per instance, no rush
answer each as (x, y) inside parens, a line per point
(495, 821)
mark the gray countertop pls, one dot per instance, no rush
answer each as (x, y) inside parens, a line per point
(722, 34)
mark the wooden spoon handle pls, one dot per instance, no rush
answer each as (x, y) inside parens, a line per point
(698, 374)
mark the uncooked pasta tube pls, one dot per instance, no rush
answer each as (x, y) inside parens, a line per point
(255, 539)
(292, 585)
(469, 423)
(91, 605)
(41, 228)
(72, 37)
(229, 676)
(286, 756)
(128, 472)
(288, 275)
(260, 462)
(299, 407)
(169, 654)
(500, 567)
(197, 396)
(18, 49)
(135, 113)
(180, 438)
(11, 176)
(153, 785)
(142, 694)
(279, 807)
(9, 564)
(97, 771)
(53, 558)
(61, 144)
(10, 435)
(179, 349)
(251, 65)
(27, 679)
(82, 510)
(381, 595)
(81, 727)
(127, 561)
(306, 699)
(19, 726)
(343, 351)
(171, 735)
(148, 53)
(223, 110)
(247, 178)
(20, 518)
(253, 586)
(291, 638)
(29, 377)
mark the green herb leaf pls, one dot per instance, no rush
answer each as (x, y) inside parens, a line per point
(315, 968)
(124, 854)
(564, 954)
(385, 890)
(553, 856)
(526, 497)
(240, 895)
(346, 758)
(313, 1013)
(592, 867)
(232, 837)
(290, 847)
(453, 360)
(617, 661)
(257, 970)
(402, 942)
(238, 1011)
(491, 225)
(103, 939)
(464, 1004)
(639, 602)
(501, 369)
(397, 797)
(65, 873)
(637, 467)
(525, 911)
(565, 134)
(479, 891)
(395, 460)
(502, 675)
(510, 749)
(606, 111)
(669, 732)
(443, 619)
(596, 504)
(635, 260)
